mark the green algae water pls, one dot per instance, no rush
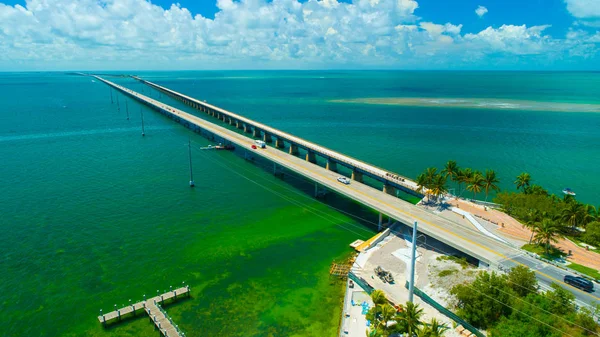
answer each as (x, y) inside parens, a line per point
(93, 214)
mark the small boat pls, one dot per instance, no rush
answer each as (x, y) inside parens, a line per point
(568, 191)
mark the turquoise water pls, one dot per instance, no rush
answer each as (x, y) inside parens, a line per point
(93, 214)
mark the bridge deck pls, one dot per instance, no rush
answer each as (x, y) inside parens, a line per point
(339, 157)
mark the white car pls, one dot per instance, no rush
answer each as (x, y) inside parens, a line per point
(344, 180)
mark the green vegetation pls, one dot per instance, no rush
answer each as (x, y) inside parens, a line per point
(510, 306)
(549, 216)
(591, 272)
(462, 261)
(552, 254)
(447, 272)
(432, 183)
(408, 319)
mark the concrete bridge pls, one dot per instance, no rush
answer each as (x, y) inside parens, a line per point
(391, 181)
(488, 251)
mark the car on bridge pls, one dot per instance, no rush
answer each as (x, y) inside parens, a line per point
(344, 180)
(579, 282)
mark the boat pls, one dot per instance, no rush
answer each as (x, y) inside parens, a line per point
(568, 191)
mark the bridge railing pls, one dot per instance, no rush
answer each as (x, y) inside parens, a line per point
(352, 162)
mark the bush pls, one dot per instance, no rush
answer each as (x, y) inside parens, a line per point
(522, 281)
(592, 234)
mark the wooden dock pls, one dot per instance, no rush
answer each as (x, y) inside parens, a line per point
(152, 307)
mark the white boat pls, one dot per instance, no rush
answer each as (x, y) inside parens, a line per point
(568, 191)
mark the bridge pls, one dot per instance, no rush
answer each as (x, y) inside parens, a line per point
(391, 181)
(487, 250)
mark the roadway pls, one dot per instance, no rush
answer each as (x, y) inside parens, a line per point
(458, 236)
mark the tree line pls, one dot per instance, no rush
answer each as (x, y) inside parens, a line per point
(435, 184)
(510, 305)
(545, 214)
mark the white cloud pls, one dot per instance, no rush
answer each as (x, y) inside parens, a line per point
(480, 11)
(584, 8)
(134, 34)
(587, 11)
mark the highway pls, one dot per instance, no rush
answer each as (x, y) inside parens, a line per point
(461, 237)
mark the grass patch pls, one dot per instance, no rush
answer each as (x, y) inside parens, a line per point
(580, 243)
(462, 261)
(553, 253)
(591, 272)
(447, 272)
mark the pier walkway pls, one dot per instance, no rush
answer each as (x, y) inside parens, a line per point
(152, 307)
(459, 236)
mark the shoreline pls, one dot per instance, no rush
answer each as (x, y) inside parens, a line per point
(475, 103)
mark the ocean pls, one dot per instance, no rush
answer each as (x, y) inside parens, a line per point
(94, 214)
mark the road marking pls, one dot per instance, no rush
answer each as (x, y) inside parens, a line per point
(211, 126)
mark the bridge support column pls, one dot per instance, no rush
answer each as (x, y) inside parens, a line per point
(380, 222)
(279, 143)
(331, 165)
(357, 176)
(247, 128)
(230, 121)
(391, 190)
(310, 157)
(239, 125)
(294, 149)
(256, 132)
(267, 137)
(212, 113)
(224, 118)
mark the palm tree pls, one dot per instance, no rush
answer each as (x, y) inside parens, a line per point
(438, 186)
(476, 183)
(378, 298)
(464, 176)
(451, 170)
(574, 214)
(421, 182)
(437, 328)
(387, 314)
(490, 182)
(430, 174)
(545, 233)
(531, 219)
(523, 180)
(410, 317)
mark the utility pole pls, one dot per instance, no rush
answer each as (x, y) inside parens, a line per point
(191, 170)
(142, 114)
(411, 285)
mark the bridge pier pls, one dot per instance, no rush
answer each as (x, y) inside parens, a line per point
(247, 128)
(224, 118)
(230, 121)
(391, 190)
(294, 149)
(357, 176)
(239, 125)
(267, 137)
(256, 133)
(380, 222)
(279, 143)
(311, 157)
(331, 165)
(212, 112)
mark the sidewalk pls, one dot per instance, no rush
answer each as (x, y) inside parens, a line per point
(513, 228)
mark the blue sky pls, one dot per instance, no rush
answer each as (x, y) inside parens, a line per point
(292, 34)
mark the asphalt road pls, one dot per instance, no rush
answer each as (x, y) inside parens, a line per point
(459, 236)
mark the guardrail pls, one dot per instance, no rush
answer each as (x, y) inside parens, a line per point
(341, 158)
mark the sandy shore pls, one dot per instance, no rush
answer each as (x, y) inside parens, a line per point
(475, 103)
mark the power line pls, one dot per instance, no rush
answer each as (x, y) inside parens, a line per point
(314, 211)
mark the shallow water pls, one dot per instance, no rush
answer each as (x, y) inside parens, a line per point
(93, 214)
